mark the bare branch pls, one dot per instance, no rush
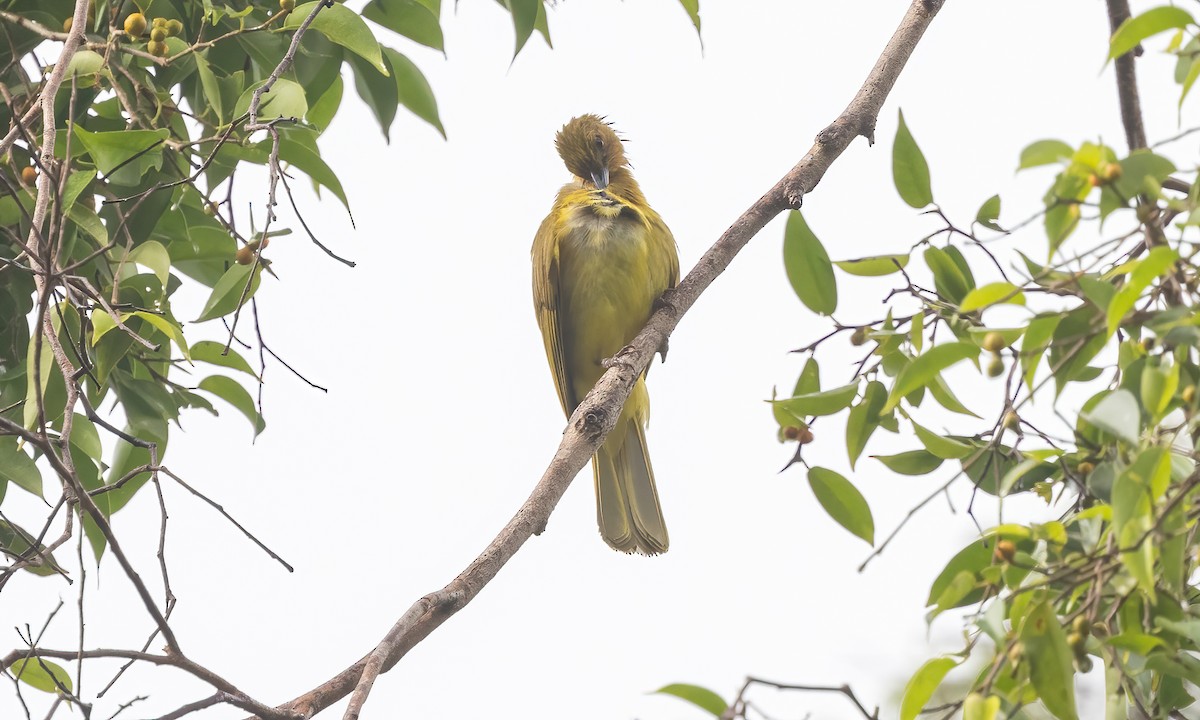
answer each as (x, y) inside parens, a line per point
(598, 412)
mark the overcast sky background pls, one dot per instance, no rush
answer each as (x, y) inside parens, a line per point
(441, 414)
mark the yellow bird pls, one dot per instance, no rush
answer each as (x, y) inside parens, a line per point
(601, 259)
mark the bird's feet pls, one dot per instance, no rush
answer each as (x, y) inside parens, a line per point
(618, 360)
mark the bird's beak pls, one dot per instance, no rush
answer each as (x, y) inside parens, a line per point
(600, 178)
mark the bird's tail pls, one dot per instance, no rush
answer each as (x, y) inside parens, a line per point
(627, 507)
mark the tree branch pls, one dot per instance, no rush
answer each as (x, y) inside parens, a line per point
(1127, 89)
(598, 412)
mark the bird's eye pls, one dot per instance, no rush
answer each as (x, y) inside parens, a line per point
(599, 141)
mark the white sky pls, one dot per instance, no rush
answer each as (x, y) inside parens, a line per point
(441, 414)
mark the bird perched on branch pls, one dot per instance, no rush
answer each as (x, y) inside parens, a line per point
(601, 259)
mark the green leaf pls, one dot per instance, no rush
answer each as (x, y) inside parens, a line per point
(41, 674)
(1136, 29)
(948, 278)
(1156, 264)
(151, 254)
(378, 91)
(1140, 166)
(810, 378)
(1118, 413)
(843, 502)
(110, 150)
(910, 172)
(227, 293)
(342, 26)
(692, 7)
(285, 99)
(214, 353)
(15, 541)
(208, 82)
(945, 448)
(913, 462)
(826, 402)
(941, 392)
(18, 468)
(231, 392)
(991, 294)
(808, 267)
(874, 266)
(412, 89)
(1045, 152)
(921, 371)
(702, 698)
(1049, 659)
(1034, 344)
(988, 213)
(973, 559)
(524, 16)
(321, 112)
(922, 686)
(1133, 494)
(168, 328)
(1060, 221)
(307, 160)
(864, 419)
(414, 20)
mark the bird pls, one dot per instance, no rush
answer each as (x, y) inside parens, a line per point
(602, 259)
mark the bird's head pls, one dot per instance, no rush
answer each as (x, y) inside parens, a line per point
(591, 149)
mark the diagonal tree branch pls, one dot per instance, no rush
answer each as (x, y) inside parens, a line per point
(598, 412)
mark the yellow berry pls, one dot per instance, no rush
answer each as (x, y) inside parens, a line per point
(1085, 468)
(245, 255)
(29, 175)
(1006, 550)
(158, 34)
(159, 22)
(1189, 394)
(174, 28)
(287, 5)
(135, 25)
(1011, 420)
(996, 367)
(859, 336)
(994, 342)
(68, 24)
(156, 48)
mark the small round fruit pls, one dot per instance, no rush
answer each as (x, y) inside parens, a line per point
(210, 209)
(1145, 212)
(156, 48)
(994, 342)
(68, 24)
(1189, 394)
(135, 25)
(245, 255)
(996, 367)
(287, 5)
(1075, 640)
(1006, 550)
(1081, 625)
(158, 34)
(859, 336)
(1148, 343)
(174, 28)
(158, 22)
(1011, 420)
(806, 436)
(1085, 468)
(1083, 663)
(1110, 172)
(29, 175)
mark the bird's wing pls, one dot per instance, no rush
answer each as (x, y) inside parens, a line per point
(545, 302)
